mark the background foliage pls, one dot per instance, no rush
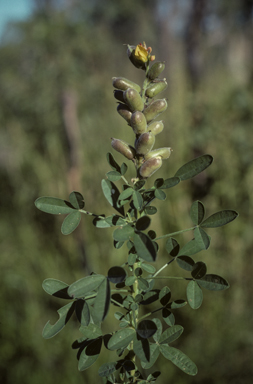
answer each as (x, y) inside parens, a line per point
(57, 115)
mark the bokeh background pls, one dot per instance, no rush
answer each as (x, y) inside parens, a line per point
(57, 115)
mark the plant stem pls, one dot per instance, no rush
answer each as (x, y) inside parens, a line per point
(175, 233)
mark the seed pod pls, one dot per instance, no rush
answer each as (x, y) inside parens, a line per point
(154, 109)
(133, 100)
(125, 112)
(122, 84)
(138, 123)
(156, 127)
(125, 149)
(150, 166)
(145, 143)
(164, 153)
(156, 87)
(119, 95)
(156, 70)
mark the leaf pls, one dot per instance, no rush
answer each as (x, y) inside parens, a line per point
(92, 331)
(82, 312)
(159, 194)
(111, 193)
(171, 182)
(137, 200)
(148, 267)
(123, 169)
(71, 222)
(85, 285)
(190, 248)
(202, 238)
(213, 283)
(112, 162)
(165, 295)
(154, 353)
(150, 210)
(199, 270)
(126, 194)
(150, 297)
(197, 212)
(194, 167)
(123, 233)
(107, 369)
(142, 284)
(219, 219)
(178, 358)
(144, 246)
(185, 262)
(76, 199)
(159, 326)
(194, 294)
(158, 183)
(117, 275)
(171, 334)
(64, 316)
(90, 354)
(53, 205)
(141, 348)
(139, 184)
(121, 339)
(102, 302)
(172, 246)
(177, 304)
(168, 316)
(113, 175)
(146, 328)
(56, 288)
(143, 223)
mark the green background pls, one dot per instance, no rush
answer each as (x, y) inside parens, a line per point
(57, 115)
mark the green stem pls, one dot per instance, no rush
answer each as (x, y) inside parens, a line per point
(175, 233)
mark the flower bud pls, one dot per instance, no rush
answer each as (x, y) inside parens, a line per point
(156, 127)
(145, 143)
(164, 153)
(119, 95)
(154, 109)
(137, 62)
(150, 166)
(138, 123)
(156, 87)
(125, 112)
(156, 70)
(122, 84)
(133, 100)
(125, 149)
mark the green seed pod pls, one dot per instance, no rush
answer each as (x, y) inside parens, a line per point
(119, 96)
(138, 123)
(133, 100)
(164, 153)
(150, 166)
(154, 109)
(122, 84)
(156, 70)
(125, 149)
(145, 143)
(125, 112)
(156, 87)
(156, 127)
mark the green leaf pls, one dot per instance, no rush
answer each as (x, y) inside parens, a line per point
(146, 328)
(178, 358)
(213, 283)
(171, 334)
(177, 304)
(190, 248)
(143, 223)
(137, 200)
(117, 275)
(141, 348)
(130, 280)
(56, 288)
(85, 285)
(150, 297)
(64, 316)
(194, 294)
(53, 205)
(82, 312)
(123, 169)
(142, 284)
(111, 193)
(90, 354)
(126, 194)
(154, 353)
(172, 246)
(112, 162)
(144, 246)
(197, 212)
(148, 267)
(102, 302)
(123, 233)
(107, 369)
(150, 210)
(202, 238)
(165, 295)
(168, 316)
(194, 167)
(71, 222)
(121, 339)
(171, 182)
(139, 184)
(219, 219)
(158, 183)
(159, 194)
(185, 262)
(159, 326)
(199, 270)
(92, 331)
(76, 199)
(113, 175)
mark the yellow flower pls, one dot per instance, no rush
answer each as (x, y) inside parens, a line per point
(142, 53)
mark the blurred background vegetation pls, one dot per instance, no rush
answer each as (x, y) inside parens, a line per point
(57, 115)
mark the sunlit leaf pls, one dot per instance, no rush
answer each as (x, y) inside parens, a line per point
(194, 294)
(202, 238)
(53, 205)
(150, 210)
(126, 194)
(92, 331)
(190, 248)
(185, 262)
(171, 334)
(160, 194)
(165, 295)
(90, 354)
(85, 285)
(76, 199)
(121, 338)
(148, 267)
(159, 330)
(123, 168)
(154, 353)
(168, 316)
(71, 222)
(113, 175)
(194, 167)
(213, 282)
(179, 359)
(56, 288)
(64, 316)
(172, 246)
(111, 193)
(197, 212)
(123, 233)
(82, 312)
(219, 219)
(102, 302)
(144, 246)
(137, 200)
(169, 183)
(107, 369)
